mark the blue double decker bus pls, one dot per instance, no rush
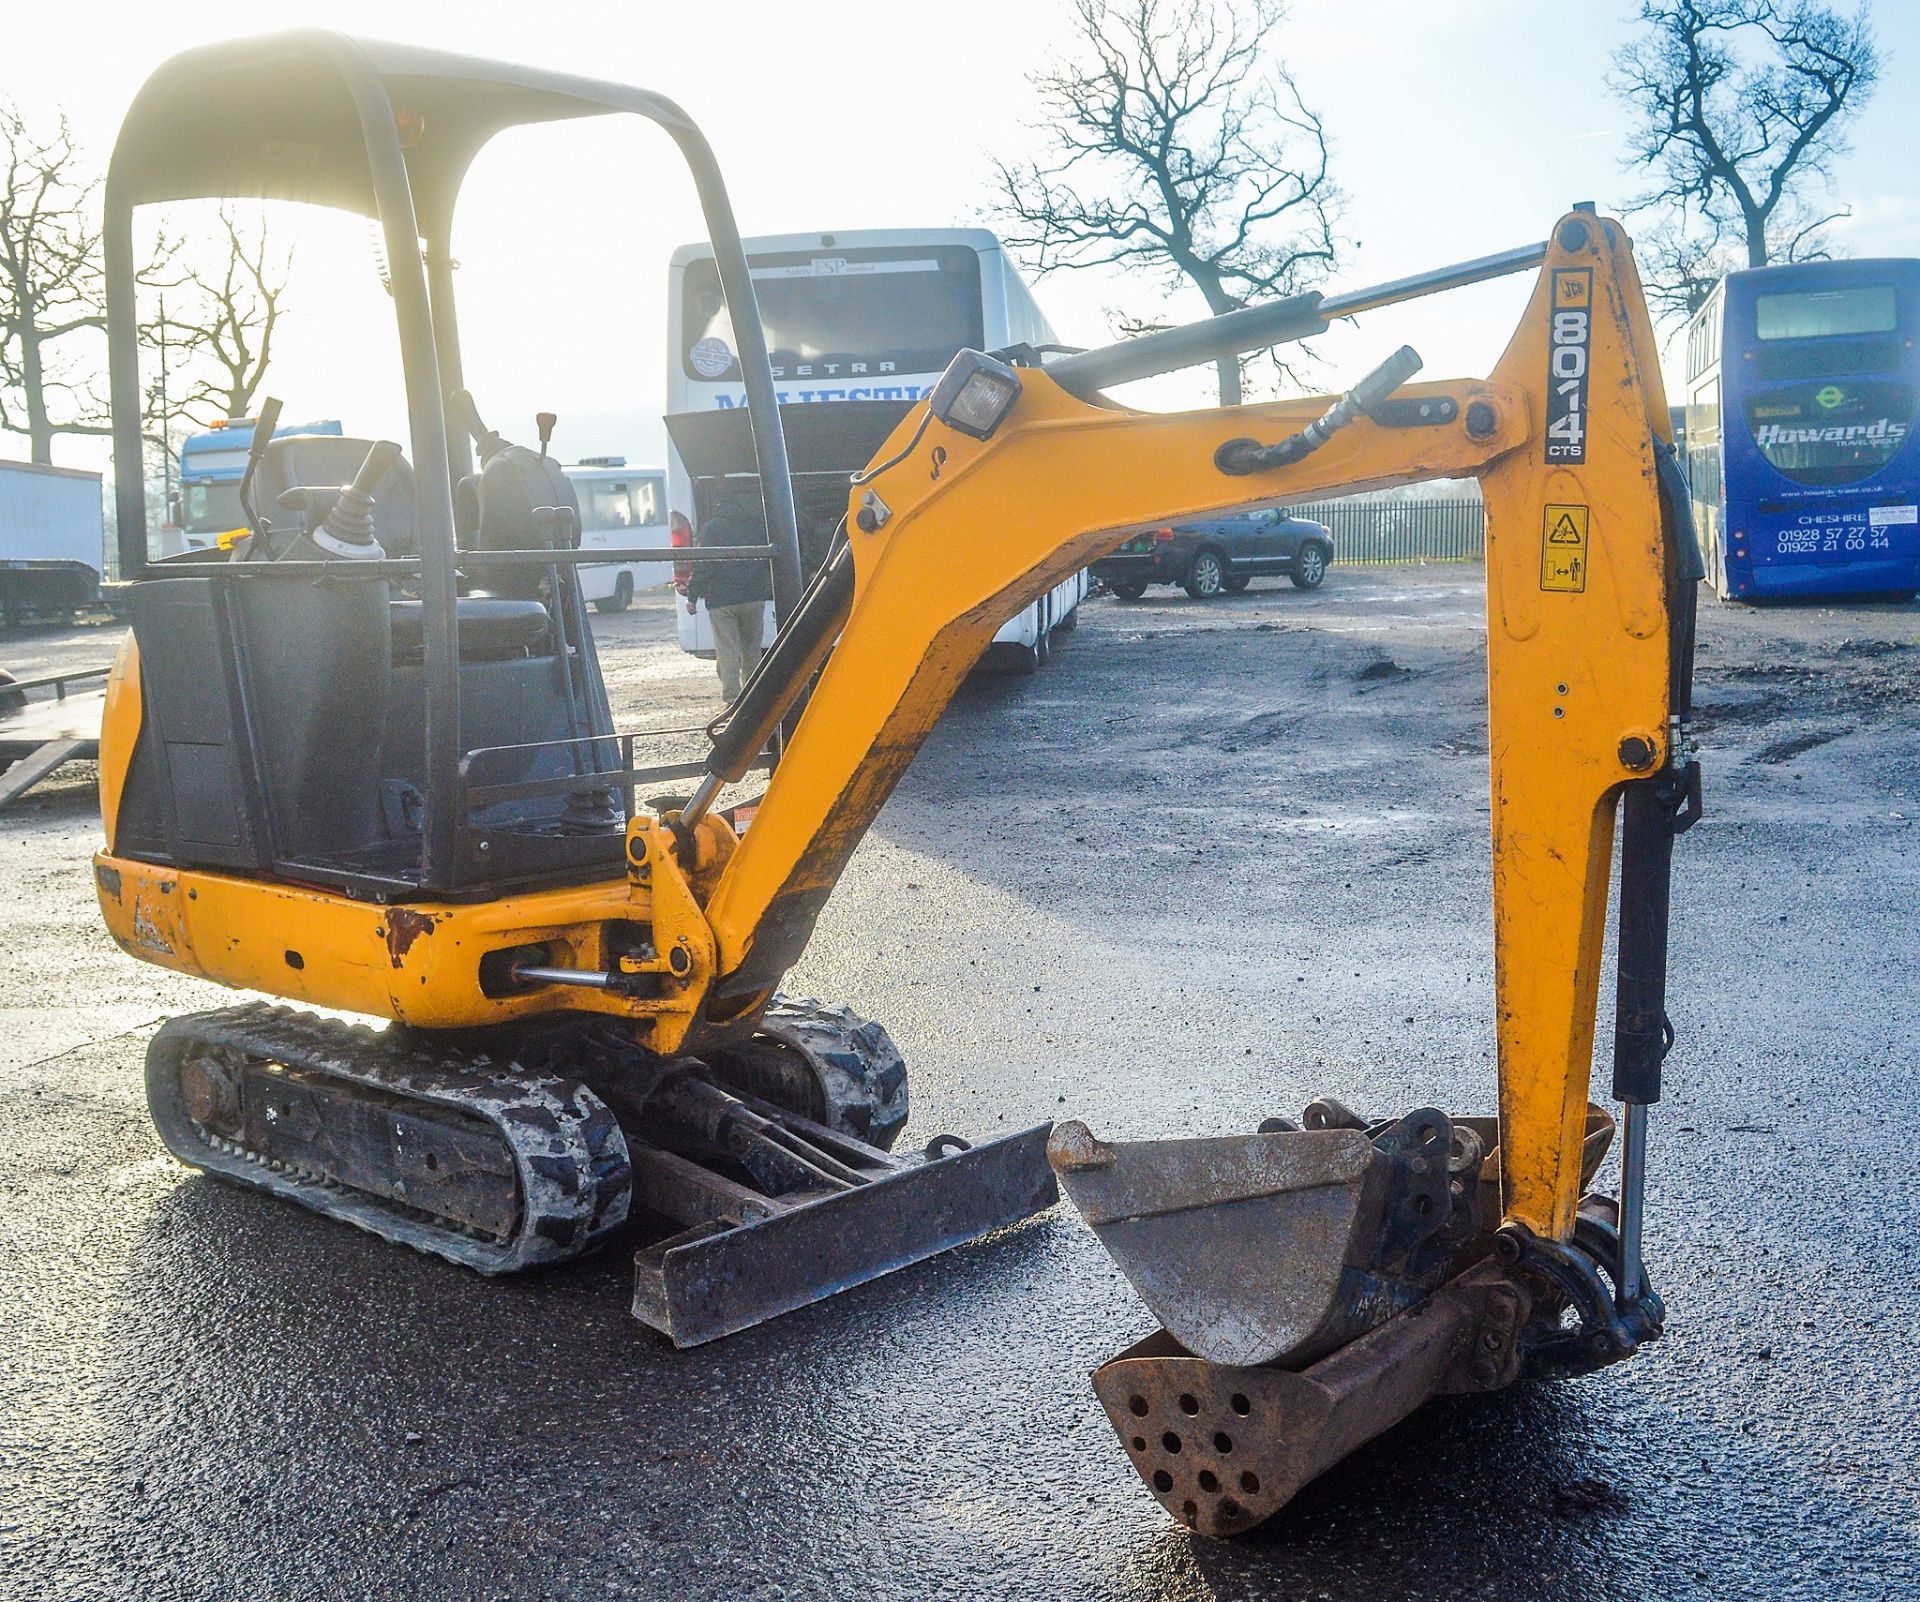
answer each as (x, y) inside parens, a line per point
(1802, 385)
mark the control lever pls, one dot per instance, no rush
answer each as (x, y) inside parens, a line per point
(461, 404)
(1240, 457)
(348, 529)
(263, 430)
(544, 422)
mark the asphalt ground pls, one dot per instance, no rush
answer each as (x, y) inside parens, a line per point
(1211, 861)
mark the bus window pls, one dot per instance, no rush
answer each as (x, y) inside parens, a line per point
(604, 503)
(857, 315)
(650, 501)
(1819, 313)
(213, 508)
(1840, 358)
(1830, 433)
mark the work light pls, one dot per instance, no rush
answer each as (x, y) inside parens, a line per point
(975, 393)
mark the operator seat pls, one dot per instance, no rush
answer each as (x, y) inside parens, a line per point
(520, 500)
(491, 628)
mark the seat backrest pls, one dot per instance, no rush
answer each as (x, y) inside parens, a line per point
(494, 511)
(498, 503)
(326, 461)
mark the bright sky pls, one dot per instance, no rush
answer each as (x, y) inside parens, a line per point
(1459, 129)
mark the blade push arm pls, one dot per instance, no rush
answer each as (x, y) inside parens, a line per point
(1579, 584)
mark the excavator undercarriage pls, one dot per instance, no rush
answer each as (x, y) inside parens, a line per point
(539, 1144)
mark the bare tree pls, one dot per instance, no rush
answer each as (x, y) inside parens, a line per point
(219, 323)
(50, 287)
(1743, 108)
(1176, 145)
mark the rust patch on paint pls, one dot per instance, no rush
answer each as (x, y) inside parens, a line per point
(403, 927)
(107, 878)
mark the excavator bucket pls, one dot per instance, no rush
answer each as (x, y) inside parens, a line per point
(1314, 1286)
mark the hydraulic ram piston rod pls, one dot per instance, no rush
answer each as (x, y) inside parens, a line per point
(1279, 322)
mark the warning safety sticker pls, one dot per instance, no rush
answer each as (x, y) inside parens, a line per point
(1563, 549)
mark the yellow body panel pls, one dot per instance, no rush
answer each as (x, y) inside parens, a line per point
(420, 964)
(1577, 609)
(119, 728)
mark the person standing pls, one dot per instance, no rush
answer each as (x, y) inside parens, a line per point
(736, 593)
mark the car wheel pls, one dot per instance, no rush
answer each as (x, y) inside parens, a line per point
(1126, 589)
(1206, 577)
(1236, 586)
(622, 596)
(1310, 567)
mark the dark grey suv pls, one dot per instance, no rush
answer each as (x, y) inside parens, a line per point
(1217, 554)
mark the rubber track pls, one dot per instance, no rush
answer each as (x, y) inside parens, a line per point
(859, 1070)
(567, 1149)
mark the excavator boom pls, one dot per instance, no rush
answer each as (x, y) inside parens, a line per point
(1581, 587)
(1315, 1284)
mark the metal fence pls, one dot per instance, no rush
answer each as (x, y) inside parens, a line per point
(1374, 533)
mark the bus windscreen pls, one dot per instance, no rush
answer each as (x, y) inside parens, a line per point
(1822, 313)
(213, 508)
(841, 314)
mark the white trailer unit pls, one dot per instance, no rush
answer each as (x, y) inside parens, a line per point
(52, 544)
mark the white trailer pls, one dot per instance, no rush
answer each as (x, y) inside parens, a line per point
(52, 540)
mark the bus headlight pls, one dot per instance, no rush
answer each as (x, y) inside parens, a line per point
(975, 394)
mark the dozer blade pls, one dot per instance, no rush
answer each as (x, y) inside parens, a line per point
(754, 1255)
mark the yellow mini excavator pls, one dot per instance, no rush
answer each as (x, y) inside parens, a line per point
(365, 762)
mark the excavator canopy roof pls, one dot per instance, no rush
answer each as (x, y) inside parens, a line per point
(278, 118)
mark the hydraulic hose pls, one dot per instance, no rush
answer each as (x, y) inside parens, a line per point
(1240, 457)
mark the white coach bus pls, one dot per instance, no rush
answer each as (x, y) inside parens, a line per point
(860, 326)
